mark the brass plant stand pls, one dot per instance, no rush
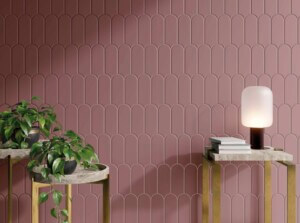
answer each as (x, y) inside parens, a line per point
(80, 176)
(13, 156)
(211, 158)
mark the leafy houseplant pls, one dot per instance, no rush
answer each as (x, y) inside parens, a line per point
(19, 122)
(59, 156)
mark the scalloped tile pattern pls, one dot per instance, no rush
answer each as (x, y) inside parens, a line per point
(146, 82)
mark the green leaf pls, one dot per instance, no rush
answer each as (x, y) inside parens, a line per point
(24, 103)
(19, 136)
(50, 158)
(43, 197)
(56, 129)
(86, 154)
(45, 172)
(8, 131)
(53, 213)
(45, 132)
(42, 122)
(28, 120)
(10, 145)
(24, 128)
(71, 134)
(24, 145)
(31, 164)
(52, 117)
(68, 152)
(58, 166)
(35, 148)
(35, 98)
(57, 196)
(64, 212)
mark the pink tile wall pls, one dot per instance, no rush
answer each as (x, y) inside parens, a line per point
(147, 82)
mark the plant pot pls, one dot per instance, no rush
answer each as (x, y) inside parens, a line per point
(33, 136)
(70, 167)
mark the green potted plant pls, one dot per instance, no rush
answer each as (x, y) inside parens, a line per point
(58, 157)
(21, 124)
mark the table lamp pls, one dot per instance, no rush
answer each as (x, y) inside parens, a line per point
(257, 113)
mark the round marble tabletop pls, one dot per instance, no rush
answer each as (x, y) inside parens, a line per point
(14, 153)
(80, 176)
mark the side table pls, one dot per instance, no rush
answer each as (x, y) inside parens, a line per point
(80, 176)
(13, 156)
(269, 154)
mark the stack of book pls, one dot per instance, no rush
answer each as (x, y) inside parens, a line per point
(230, 145)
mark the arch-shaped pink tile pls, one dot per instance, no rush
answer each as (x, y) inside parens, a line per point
(191, 120)
(111, 60)
(284, 58)
(231, 65)
(131, 209)
(151, 180)
(211, 30)
(237, 209)
(171, 209)
(104, 90)
(237, 29)
(177, 180)
(111, 120)
(157, 30)
(131, 150)
(271, 62)
(157, 150)
(164, 60)
(117, 90)
(184, 28)
(117, 30)
(197, 90)
(177, 119)
(137, 180)
(218, 60)
(137, 60)
(91, 30)
(71, 65)
(151, 60)
(171, 149)
(198, 30)
(144, 28)
(104, 29)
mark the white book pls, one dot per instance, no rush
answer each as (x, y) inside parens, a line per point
(234, 152)
(231, 146)
(227, 140)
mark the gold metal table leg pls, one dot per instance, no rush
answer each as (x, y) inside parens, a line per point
(205, 190)
(69, 201)
(291, 181)
(268, 192)
(291, 191)
(9, 195)
(106, 203)
(216, 175)
(35, 203)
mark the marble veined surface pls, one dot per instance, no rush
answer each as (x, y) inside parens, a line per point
(14, 153)
(267, 154)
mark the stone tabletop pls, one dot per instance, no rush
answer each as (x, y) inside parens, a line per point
(14, 153)
(80, 176)
(267, 154)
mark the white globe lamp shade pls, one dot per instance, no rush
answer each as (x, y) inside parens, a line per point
(257, 107)
(257, 113)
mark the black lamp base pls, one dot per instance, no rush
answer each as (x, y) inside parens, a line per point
(257, 138)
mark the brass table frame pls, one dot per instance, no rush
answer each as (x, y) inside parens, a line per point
(216, 191)
(10, 163)
(68, 187)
